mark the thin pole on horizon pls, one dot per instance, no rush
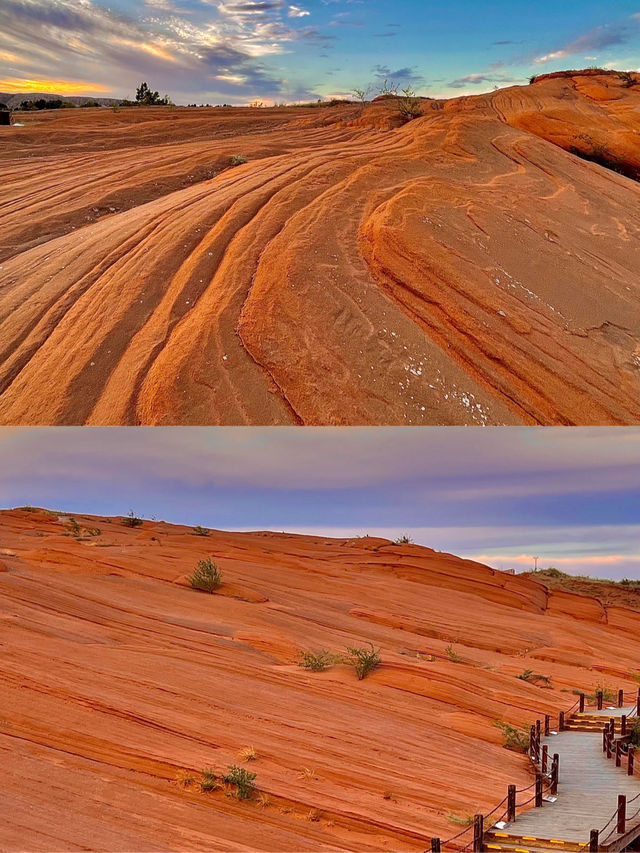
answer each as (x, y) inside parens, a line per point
(535, 563)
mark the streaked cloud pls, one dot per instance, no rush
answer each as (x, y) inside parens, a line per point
(221, 52)
(597, 38)
(567, 495)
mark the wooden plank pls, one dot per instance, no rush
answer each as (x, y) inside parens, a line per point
(587, 793)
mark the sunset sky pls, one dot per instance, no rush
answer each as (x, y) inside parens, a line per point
(502, 496)
(275, 50)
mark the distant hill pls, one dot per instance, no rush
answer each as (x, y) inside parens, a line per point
(14, 99)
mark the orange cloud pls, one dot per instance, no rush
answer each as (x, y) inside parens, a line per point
(57, 87)
(7, 56)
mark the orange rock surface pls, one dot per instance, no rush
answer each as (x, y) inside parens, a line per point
(117, 680)
(478, 265)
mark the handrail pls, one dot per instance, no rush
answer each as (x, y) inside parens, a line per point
(544, 782)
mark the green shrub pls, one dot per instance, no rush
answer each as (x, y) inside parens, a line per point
(403, 540)
(515, 739)
(634, 738)
(74, 527)
(628, 79)
(238, 160)
(453, 656)
(242, 779)
(132, 520)
(201, 531)
(316, 661)
(209, 779)
(362, 660)
(94, 531)
(207, 577)
(534, 677)
(408, 104)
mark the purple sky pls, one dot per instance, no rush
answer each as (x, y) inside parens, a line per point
(501, 495)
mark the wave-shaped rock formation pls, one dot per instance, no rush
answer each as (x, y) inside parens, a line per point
(118, 680)
(478, 265)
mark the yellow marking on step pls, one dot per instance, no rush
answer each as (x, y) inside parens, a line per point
(502, 834)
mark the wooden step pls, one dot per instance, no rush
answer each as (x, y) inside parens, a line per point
(497, 841)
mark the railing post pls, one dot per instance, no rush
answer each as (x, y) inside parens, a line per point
(538, 800)
(511, 803)
(538, 729)
(435, 845)
(609, 739)
(638, 703)
(623, 725)
(630, 756)
(582, 703)
(599, 700)
(555, 773)
(478, 833)
(618, 753)
(622, 813)
(593, 841)
(620, 698)
(545, 753)
(532, 743)
(547, 725)
(561, 721)
(605, 738)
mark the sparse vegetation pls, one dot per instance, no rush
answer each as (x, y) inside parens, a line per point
(363, 660)
(209, 780)
(314, 815)
(403, 540)
(535, 677)
(248, 754)
(316, 661)
(306, 773)
(185, 779)
(201, 531)
(94, 531)
(460, 821)
(608, 694)
(361, 96)
(408, 104)
(453, 656)
(242, 779)
(628, 79)
(388, 795)
(74, 527)
(207, 577)
(515, 739)
(238, 160)
(634, 738)
(132, 520)
(532, 79)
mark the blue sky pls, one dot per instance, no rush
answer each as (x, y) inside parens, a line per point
(500, 495)
(275, 50)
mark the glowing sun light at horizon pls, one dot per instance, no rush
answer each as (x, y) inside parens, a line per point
(56, 87)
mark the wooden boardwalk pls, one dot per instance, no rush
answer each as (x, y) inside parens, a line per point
(589, 785)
